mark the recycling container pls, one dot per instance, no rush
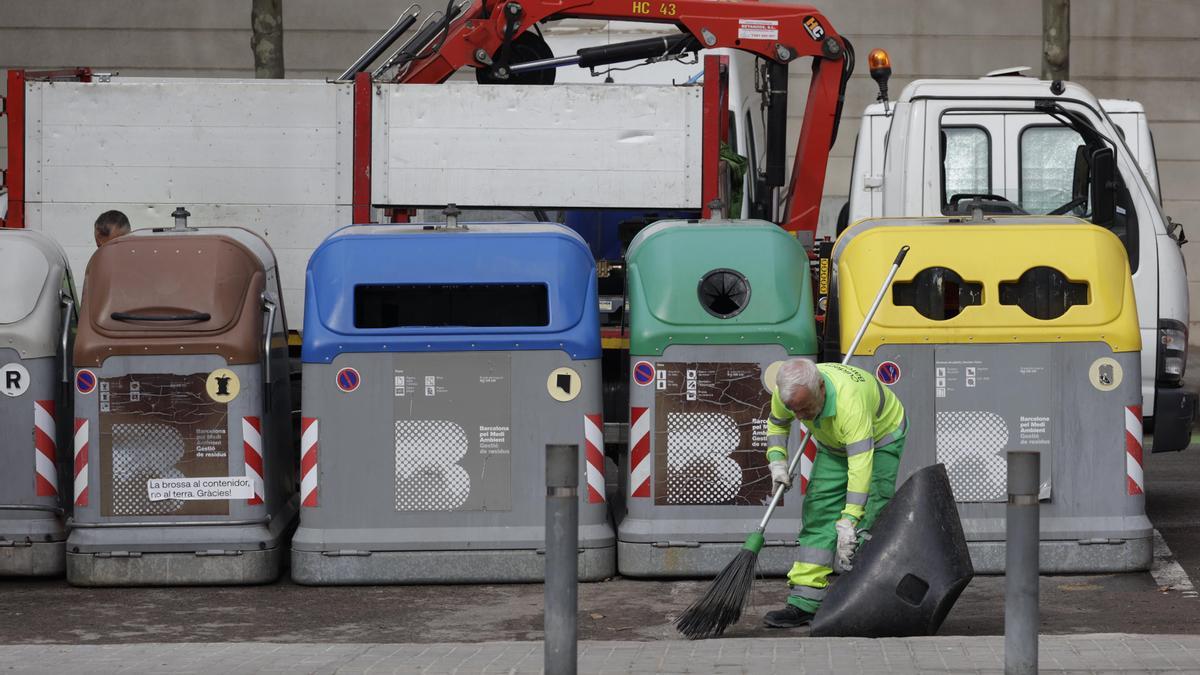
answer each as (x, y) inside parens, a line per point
(184, 472)
(438, 364)
(1011, 334)
(36, 322)
(715, 307)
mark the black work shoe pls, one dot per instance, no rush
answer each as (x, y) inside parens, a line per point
(790, 616)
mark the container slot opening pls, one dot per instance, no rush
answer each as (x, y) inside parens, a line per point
(1044, 293)
(724, 293)
(937, 293)
(447, 305)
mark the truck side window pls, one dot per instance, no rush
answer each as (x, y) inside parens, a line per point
(966, 161)
(1046, 167)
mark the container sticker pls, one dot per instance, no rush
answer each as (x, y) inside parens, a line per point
(643, 373)
(710, 435)
(453, 432)
(85, 382)
(988, 402)
(348, 379)
(1105, 374)
(157, 426)
(815, 30)
(223, 385)
(888, 372)
(564, 384)
(770, 375)
(14, 379)
(758, 29)
(197, 489)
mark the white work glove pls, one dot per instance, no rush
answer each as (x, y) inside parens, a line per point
(780, 475)
(847, 541)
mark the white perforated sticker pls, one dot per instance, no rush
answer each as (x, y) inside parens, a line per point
(971, 444)
(699, 467)
(428, 476)
(141, 452)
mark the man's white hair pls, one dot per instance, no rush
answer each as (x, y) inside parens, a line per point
(794, 374)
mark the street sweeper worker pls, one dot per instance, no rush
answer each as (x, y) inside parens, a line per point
(859, 428)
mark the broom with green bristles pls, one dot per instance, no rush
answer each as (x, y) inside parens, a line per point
(721, 605)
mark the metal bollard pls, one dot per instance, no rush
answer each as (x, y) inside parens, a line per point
(562, 558)
(1022, 530)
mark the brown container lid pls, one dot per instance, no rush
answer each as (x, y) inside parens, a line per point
(172, 294)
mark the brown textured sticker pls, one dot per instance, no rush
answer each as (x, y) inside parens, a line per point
(710, 434)
(159, 426)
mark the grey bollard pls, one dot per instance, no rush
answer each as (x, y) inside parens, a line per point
(562, 558)
(1021, 564)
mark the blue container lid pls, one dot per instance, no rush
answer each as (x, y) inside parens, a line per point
(521, 255)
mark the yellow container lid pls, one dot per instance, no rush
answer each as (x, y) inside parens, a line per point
(993, 258)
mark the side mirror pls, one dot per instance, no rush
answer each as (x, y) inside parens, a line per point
(1079, 180)
(1104, 187)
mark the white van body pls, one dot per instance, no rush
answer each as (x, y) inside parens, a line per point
(898, 171)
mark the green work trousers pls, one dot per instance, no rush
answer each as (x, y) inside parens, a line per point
(823, 505)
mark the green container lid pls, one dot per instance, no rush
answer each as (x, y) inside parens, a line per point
(718, 283)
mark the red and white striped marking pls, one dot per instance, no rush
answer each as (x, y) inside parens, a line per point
(81, 461)
(45, 476)
(593, 436)
(252, 452)
(806, 461)
(639, 456)
(1133, 450)
(308, 461)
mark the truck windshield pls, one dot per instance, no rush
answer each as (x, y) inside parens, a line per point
(1035, 179)
(1046, 168)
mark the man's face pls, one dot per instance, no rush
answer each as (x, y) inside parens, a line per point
(807, 404)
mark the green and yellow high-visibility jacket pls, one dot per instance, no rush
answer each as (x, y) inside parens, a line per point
(860, 414)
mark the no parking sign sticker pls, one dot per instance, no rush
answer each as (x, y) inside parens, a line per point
(888, 372)
(85, 382)
(348, 379)
(643, 373)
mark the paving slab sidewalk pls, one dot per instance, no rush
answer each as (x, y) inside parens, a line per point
(1094, 653)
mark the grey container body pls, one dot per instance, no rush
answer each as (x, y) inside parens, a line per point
(32, 532)
(432, 470)
(124, 539)
(969, 404)
(34, 417)
(694, 480)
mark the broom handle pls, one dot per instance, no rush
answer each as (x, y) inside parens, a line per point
(862, 330)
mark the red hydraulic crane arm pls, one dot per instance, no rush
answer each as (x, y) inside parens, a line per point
(776, 32)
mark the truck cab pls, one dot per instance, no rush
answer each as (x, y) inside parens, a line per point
(1013, 145)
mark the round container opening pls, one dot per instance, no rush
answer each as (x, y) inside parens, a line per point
(724, 293)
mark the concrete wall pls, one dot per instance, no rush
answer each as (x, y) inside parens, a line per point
(1140, 49)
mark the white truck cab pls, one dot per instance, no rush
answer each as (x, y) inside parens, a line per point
(1013, 145)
